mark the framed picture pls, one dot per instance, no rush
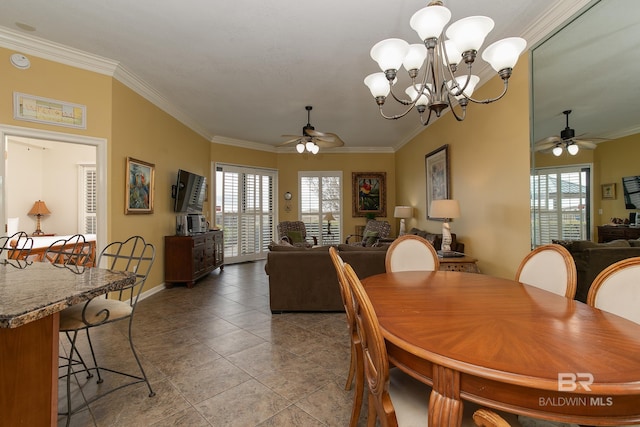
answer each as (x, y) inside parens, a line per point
(609, 191)
(369, 194)
(437, 169)
(50, 111)
(140, 182)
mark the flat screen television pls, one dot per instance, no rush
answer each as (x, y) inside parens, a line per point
(189, 192)
(631, 191)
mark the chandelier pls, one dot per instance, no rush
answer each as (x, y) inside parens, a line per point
(432, 65)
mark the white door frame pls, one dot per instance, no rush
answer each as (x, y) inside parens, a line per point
(101, 166)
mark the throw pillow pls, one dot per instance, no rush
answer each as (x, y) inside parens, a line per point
(369, 238)
(295, 236)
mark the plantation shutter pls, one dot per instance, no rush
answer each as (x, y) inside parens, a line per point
(320, 194)
(88, 198)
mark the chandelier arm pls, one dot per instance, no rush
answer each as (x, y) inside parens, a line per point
(490, 100)
(397, 116)
(462, 106)
(402, 101)
(428, 118)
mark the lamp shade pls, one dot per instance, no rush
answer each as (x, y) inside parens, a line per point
(329, 217)
(390, 53)
(445, 208)
(469, 33)
(504, 53)
(403, 212)
(39, 208)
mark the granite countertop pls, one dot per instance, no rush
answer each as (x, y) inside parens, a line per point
(31, 292)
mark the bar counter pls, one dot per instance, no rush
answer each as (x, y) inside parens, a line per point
(31, 298)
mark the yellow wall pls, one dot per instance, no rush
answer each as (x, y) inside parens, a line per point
(613, 160)
(489, 162)
(290, 164)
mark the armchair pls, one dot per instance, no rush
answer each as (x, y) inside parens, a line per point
(295, 233)
(372, 233)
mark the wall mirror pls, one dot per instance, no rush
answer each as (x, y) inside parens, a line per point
(590, 67)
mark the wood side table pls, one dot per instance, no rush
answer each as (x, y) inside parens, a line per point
(466, 264)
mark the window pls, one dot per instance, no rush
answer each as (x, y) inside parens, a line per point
(560, 204)
(245, 211)
(321, 195)
(87, 203)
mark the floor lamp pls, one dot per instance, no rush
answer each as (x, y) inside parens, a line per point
(445, 209)
(403, 212)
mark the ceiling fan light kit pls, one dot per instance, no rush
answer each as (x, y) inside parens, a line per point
(436, 61)
(311, 140)
(565, 141)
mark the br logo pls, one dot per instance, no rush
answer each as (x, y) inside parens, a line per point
(568, 381)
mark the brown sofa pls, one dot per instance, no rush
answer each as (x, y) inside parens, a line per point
(591, 258)
(302, 279)
(436, 239)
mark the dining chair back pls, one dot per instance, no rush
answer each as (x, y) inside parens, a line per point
(133, 255)
(487, 418)
(22, 245)
(73, 252)
(395, 398)
(550, 267)
(411, 253)
(616, 289)
(356, 369)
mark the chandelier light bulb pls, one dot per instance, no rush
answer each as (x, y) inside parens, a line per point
(557, 151)
(468, 91)
(469, 33)
(429, 22)
(415, 57)
(453, 53)
(413, 94)
(573, 149)
(315, 149)
(504, 53)
(300, 147)
(389, 53)
(377, 84)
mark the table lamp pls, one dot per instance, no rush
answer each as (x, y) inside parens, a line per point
(39, 209)
(402, 212)
(445, 209)
(329, 217)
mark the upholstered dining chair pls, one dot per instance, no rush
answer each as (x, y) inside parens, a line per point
(295, 233)
(373, 231)
(356, 367)
(550, 267)
(133, 255)
(394, 397)
(411, 253)
(616, 289)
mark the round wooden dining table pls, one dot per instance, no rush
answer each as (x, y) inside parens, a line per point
(508, 346)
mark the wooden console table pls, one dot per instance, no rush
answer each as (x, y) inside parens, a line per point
(465, 264)
(188, 258)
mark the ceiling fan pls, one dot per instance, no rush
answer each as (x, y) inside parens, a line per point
(311, 139)
(566, 140)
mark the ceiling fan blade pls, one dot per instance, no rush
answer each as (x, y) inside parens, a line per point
(549, 140)
(336, 139)
(544, 147)
(290, 141)
(313, 132)
(585, 144)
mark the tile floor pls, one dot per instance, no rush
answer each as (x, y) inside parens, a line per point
(216, 356)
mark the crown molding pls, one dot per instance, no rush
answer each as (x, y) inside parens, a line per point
(42, 48)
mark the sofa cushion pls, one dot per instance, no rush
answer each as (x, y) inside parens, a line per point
(351, 248)
(581, 245)
(635, 243)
